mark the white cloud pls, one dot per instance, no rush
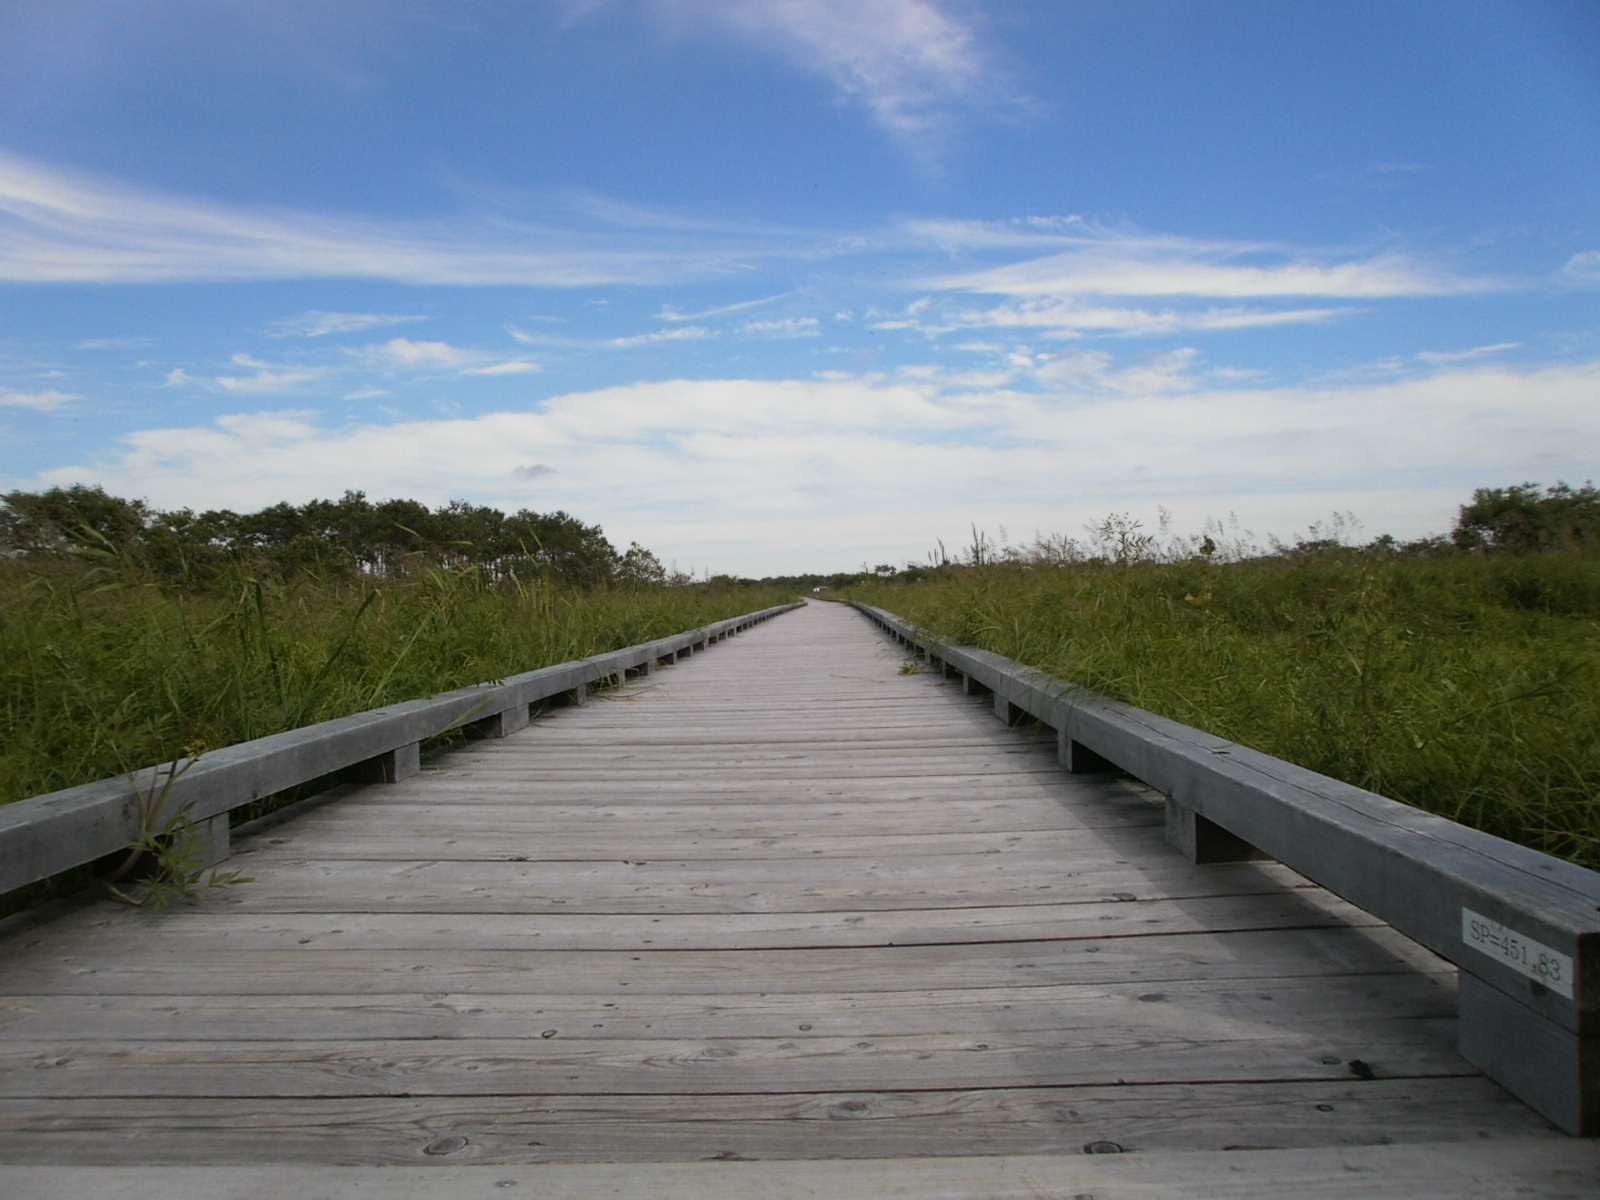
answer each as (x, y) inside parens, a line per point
(44, 401)
(264, 378)
(1091, 259)
(1066, 318)
(116, 343)
(1165, 271)
(785, 327)
(266, 381)
(684, 333)
(319, 324)
(62, 227)
(754, 476)
(668, 313)
(405, 353)
(1454, 356)
(912, 63)
(515, 366)
(1583, 267)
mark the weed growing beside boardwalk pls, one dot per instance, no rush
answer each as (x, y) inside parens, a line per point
(1465, 684)
(104, 669)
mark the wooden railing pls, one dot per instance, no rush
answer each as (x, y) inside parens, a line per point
(45, 835)
(1522, 927)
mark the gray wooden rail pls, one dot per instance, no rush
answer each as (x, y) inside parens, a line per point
(1523, 928)
(45, 835)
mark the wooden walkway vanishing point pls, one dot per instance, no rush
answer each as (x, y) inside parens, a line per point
(780, 902)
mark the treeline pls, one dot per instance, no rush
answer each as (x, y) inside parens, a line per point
(1520, 520)
(352, 536)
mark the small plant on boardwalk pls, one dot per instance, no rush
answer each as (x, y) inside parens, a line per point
(168, 849)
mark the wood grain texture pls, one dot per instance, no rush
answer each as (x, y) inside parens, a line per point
(776, 901)
(1537, 1170)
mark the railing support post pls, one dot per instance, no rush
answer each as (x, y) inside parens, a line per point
(1079, 759)
(392, 766)
(505, 722)
(1203, 841)
(1008, 712)
(214, 838)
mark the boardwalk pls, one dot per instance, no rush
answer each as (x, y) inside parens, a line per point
(780, 901)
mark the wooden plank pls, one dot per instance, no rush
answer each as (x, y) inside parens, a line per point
(1397, 996)
(999, 903)
(1166, 1050)
(1269, 955)
(415, 920)
(701, 833)
(810, 1125)
(1536, 1169)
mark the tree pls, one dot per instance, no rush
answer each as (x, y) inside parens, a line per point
(62, 518)
(1526, 517)
(565, 547)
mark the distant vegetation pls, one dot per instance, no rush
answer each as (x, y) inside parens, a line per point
(348, 538)
(1460, 674)
(130, 635)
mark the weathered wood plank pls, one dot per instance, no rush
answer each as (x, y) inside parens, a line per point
(826, 1124)
(1402, 995)
(1169, 1050)
(444, 839)
(1268, 955)
(417, 919)
(1537, 1169)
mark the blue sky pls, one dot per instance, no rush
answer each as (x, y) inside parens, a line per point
(775, 285)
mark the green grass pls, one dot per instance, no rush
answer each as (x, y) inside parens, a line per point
(1465, 685)
(103, 671)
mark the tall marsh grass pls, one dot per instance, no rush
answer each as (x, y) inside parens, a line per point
(1466, 685)
(104, 670)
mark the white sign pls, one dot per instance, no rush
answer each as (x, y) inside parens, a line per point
(1518, 951)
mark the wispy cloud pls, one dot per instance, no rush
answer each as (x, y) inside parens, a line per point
(319, 324)
(911, 63)
(58, 226)
(515, 366)
(265, 377)
(1135, 271)
(1064, 318)
(414, 355)
(683, 333)
(1096, 260)
(1583, 267)
(44, 401)
(668, 313)
(116, 343)
(1454, 356)
(783, 327)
